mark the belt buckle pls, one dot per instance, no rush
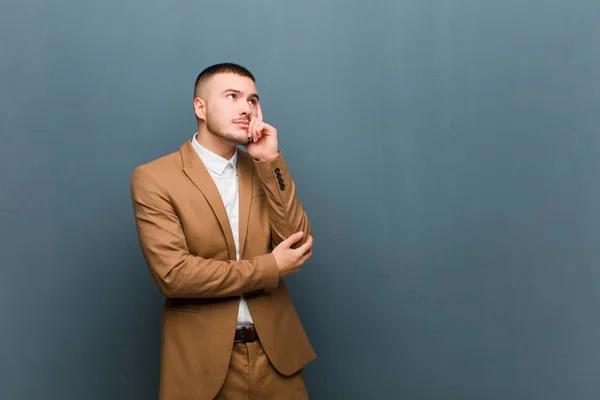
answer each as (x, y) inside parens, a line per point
(245, 334)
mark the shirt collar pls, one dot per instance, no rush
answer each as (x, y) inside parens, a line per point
(212, 161)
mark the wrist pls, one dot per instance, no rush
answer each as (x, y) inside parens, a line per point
(268, 157)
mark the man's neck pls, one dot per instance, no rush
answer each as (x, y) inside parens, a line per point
(215, 144)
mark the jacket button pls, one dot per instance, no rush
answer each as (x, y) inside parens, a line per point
(277, 170)
(282, 186)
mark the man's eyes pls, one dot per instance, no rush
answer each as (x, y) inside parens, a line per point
(233, 96)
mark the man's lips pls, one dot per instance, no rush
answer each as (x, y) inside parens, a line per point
(242, 123)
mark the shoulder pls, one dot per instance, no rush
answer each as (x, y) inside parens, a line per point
(161, 170)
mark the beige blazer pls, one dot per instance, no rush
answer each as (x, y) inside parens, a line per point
(186, 239)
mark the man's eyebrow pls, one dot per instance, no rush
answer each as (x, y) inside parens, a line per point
(254, 95)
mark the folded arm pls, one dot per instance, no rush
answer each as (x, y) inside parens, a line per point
(178, 273)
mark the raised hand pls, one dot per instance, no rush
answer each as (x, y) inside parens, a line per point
(263, 143)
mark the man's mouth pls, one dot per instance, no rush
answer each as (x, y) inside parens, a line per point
(243, 122)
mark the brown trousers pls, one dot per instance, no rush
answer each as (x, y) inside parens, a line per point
(251, 376)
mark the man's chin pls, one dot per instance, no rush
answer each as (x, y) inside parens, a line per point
(240, 140)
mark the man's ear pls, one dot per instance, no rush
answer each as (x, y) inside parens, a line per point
(200, 108)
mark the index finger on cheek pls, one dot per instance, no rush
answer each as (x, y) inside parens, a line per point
(259, 114)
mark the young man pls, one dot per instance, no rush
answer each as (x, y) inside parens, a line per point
(220, 228)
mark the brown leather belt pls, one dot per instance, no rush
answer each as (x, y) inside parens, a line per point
(245, 335)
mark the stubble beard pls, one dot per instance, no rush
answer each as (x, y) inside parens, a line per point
(231, 137)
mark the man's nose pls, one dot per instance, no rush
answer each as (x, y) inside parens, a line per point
(246, 109)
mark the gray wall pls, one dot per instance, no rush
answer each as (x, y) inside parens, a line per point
(448, 153)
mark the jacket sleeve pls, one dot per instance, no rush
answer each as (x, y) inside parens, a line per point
(178, 273)
(286, 214)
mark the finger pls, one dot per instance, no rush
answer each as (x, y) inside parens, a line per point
(250, 128)
(259, 114)
(254, 129)
(306, 246)
(259, 128)
(305, 257)
(293, 239)
(267, 129)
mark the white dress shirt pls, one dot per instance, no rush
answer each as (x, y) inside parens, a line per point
(225, 175)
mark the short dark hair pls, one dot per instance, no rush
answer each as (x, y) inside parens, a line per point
(223, 68)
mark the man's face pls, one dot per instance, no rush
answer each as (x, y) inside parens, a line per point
(230, 100)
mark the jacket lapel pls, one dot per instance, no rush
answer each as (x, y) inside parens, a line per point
(195, 169)
(245, 183)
